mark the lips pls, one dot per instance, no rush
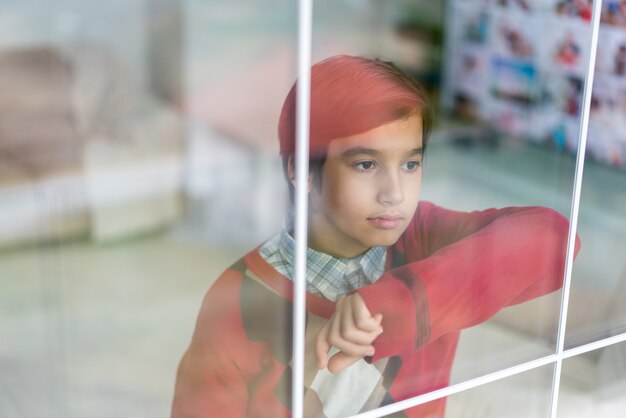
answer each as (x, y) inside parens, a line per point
(386, 221)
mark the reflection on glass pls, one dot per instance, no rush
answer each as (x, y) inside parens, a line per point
(594, 384)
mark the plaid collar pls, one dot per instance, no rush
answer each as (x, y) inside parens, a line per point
(327, 276)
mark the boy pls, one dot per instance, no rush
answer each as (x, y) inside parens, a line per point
(390, 284)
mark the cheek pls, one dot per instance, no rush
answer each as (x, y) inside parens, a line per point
(416, 186)
(416, 191)
(345, 199)
(412, 194)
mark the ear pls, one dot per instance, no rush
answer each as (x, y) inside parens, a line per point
(291, 172)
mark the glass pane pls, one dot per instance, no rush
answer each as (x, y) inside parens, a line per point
(512, 101)
(32, 349)
(593, 384)
(136, 165)
(596, 307)
(467, 281)
(524, 395)
(240, 64)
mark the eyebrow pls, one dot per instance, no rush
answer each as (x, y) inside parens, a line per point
(372, 152)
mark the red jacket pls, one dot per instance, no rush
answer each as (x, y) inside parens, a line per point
(449, 270)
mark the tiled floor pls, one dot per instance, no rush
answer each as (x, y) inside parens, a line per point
(97, 331)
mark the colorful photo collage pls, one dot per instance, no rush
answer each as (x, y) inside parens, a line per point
(613, 12)
(607, 120)
(520, 65)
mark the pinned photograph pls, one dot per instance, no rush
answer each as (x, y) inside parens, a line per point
(567, 46)
(614, 12)
(565, 94)
(581, 9)
(471, 71)
(514, 81)
(515, 37)
(475, 26)
(523, 5)
(611, 56)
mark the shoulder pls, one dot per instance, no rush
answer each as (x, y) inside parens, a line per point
(237, 283)
(413, 242)
(433, 227)
(428, 211)
(241, 299)
(427, 215)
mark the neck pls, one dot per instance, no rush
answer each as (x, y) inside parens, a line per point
(327, 244)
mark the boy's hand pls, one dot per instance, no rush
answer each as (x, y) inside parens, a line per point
(352, 330)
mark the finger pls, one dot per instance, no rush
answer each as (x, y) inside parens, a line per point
(359, 337)
(340, 361)
(361, 315)
(322, 346)
(379, 320)
(349, 347)
(350, 332)
(346, 321)
(340, 338)
(334, 327)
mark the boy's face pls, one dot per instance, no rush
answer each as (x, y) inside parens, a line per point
(369, 190)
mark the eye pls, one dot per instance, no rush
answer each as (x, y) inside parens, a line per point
(364, 165)
(411, 165)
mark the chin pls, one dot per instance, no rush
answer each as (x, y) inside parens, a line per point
(385, 240)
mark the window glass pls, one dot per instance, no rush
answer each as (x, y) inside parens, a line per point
(472, 280)
(520, 101)
(522, 395)
(29, 306)
(138, 162)
(592, 384)
(599, 276)
(146, 225)
(596, 308)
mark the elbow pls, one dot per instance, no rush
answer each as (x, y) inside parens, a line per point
(561, 228)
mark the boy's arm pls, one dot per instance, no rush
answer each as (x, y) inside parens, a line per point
(213, 374)
(470, 266)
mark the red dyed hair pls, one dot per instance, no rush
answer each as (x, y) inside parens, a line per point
(351, 95)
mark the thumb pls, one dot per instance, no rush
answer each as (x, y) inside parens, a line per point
(340, 361)
(322, 347)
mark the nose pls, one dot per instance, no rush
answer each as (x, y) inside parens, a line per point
(390, 190)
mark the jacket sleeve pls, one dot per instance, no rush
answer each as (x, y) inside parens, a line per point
(462, 268)
(213, 374)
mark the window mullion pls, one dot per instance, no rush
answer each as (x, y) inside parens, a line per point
(578, 179)
(305, 18)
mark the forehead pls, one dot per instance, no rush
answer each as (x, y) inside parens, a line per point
(397, 136)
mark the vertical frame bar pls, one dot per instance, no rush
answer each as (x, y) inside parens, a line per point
(578, 178)
(305, 23)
